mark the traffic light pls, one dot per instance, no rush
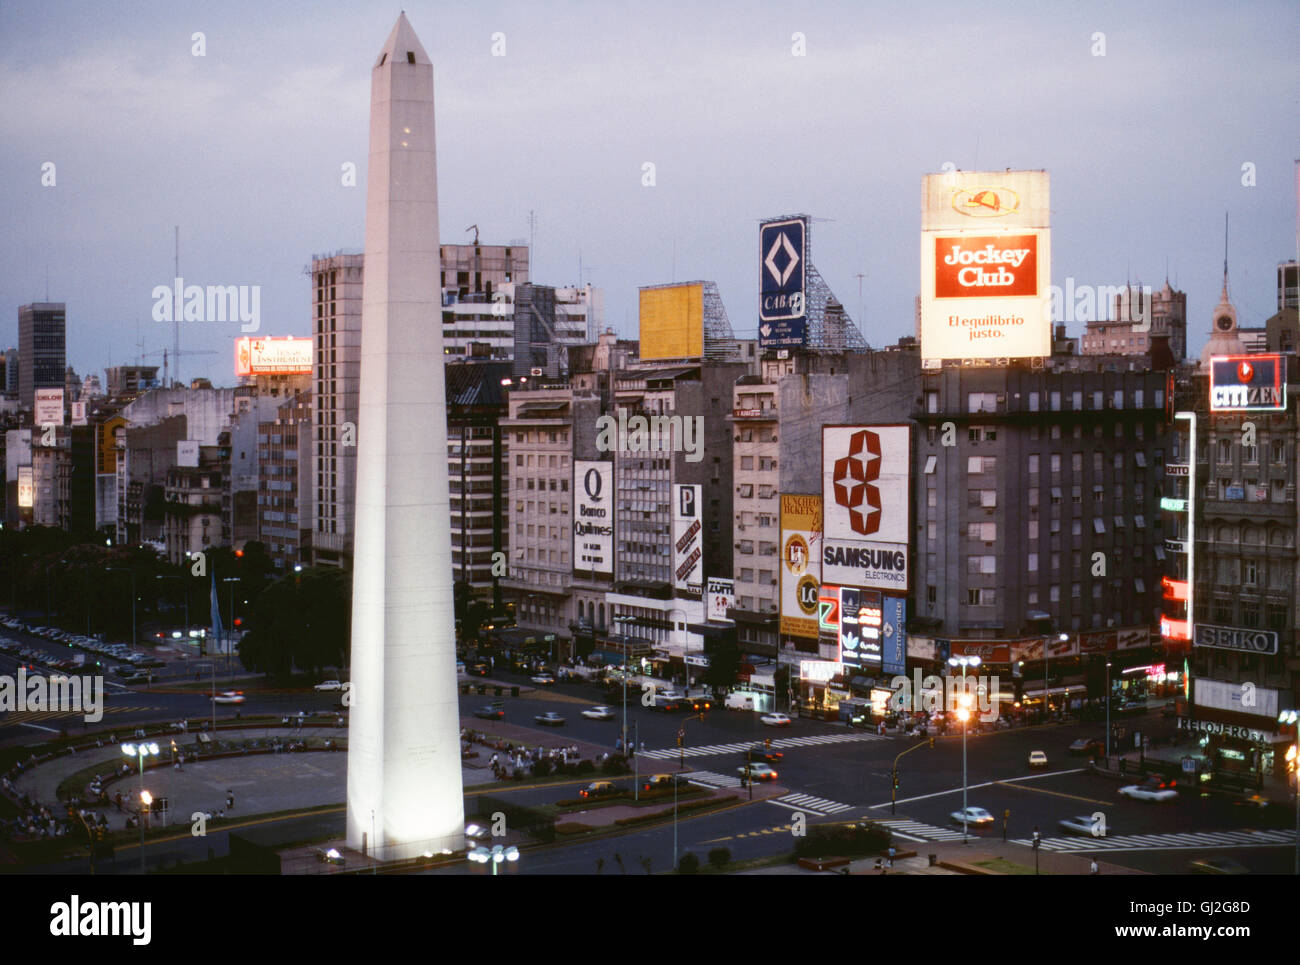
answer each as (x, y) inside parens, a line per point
(895, 780)
(931, 741)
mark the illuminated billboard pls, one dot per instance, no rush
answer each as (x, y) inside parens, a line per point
(862, 619)
(1248, 383)
(801, 536)
(783, 283)
(866, 472)
(985, 265)
(593, 518)
(672, 322)
(273, 356)
(25, 488)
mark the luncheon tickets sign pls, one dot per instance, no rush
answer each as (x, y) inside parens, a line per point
(985, 265)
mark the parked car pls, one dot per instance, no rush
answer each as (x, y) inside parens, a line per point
(756, 772)
(329, 685)
(599, 713)
(775, 720)
(1083, 824)
(478, 670)
(971, 815)
(490, 713)
(1150, 791)
(549, 719)
(762, 752)
(599, 789)
(1037, 759)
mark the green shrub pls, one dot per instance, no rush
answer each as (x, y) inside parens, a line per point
(719, 857)
(616, 764)
(541, 768)
(843, 841)
(688, 865)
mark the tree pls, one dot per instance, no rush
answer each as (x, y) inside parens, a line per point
(724, 664)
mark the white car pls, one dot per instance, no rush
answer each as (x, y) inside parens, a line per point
(599, 713)
(543, 680)
(971, 815)
(329, 685)
(758, 772)
(1089, 824)
(550, 719)
(775, 720)
(1149, 792)
(1037, 759)
(229, 697)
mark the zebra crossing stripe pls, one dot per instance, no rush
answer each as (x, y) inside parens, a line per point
(928, 832)
(818, 803)
(1167, 842)
(667, 753)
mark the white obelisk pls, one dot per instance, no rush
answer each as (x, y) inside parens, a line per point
(404, 780)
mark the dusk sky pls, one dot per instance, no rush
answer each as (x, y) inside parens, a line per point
(243, 147)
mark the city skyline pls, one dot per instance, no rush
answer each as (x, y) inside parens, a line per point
(1145, 158)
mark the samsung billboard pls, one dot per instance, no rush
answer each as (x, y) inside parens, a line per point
(865, 495)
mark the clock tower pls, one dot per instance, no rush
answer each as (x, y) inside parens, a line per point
(1223, 331)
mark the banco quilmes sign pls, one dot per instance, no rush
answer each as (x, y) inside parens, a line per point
(1236, 638)
(1247, 383)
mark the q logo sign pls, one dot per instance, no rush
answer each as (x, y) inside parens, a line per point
(592, 483)
(855, 477)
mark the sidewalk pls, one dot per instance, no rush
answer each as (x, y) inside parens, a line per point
(957, 859)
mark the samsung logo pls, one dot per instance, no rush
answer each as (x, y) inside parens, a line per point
(872, 559)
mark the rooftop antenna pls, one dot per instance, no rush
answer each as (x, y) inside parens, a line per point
(859, 276)
(1225, 251)
(532, 234)
(47, 282)
(176, 321)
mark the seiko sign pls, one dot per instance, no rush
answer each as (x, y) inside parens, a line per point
(1236, 638)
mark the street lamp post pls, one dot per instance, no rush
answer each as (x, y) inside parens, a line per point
(1047, 700)
(122, 569)
(1108, 713)
(187, 597)
(963, 714)
(496, 855)
(141, 751)
(230, 628)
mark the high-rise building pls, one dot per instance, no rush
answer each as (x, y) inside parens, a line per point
(42, 349)
(129, 381)
(336, 326)
(284, 482)
(476, 269)
(1288, 285)
(1232, 525)
(478, 473)
(10, 384)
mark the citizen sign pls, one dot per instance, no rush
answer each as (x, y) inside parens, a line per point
(1234, 638)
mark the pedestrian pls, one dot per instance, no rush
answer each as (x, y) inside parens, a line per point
(230, 799)
(1093, 869)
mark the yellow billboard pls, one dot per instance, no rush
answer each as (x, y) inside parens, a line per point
(801, 553)
(672, 322)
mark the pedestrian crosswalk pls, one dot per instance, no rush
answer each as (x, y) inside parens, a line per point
(1171, 841)
(806, 802)
(712, 779)
(916, 831)
(739, 747)
(10, 718)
